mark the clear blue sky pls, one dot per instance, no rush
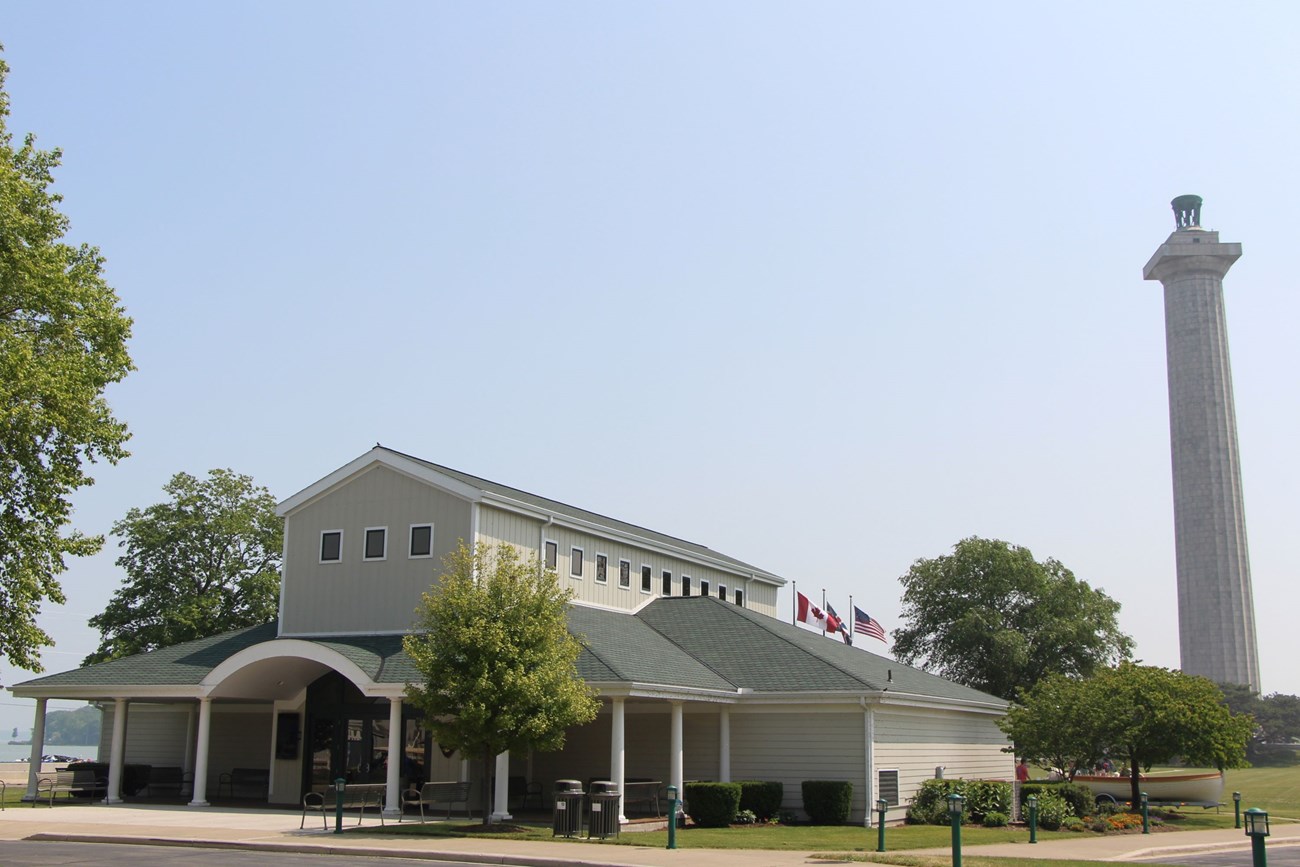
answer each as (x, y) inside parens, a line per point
(825, 286)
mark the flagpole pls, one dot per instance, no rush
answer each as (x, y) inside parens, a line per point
(794, 603)
(853, 618)
(823, 609)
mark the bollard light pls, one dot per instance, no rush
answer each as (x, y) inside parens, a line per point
(339, 784)
(672, 817)
(1032, 801)
(882, 807)
(955, 802)
(1257, 830)
(1146, 814)
(1236, 809)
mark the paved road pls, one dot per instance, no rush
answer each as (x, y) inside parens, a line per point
(1277, 856)
(26, 854)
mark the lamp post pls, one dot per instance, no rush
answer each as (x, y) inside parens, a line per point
(881, 807)
(1257, 830)
(1032, 801)
(954, 813)
(672, 817)
(1236, 809)
(1146, 815)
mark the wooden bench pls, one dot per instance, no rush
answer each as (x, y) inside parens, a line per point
(449, 792)
(75, 784)
(356, 796)
(241, 781)
(169, 779)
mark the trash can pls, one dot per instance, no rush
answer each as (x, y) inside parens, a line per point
(568, 809)
(603, 819)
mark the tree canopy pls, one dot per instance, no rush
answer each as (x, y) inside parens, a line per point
(205, 561)
(1142, 715)
(63, 340)
(991, 617)
(499, 665)
(1277, 721)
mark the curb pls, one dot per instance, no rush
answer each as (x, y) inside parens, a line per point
(1158, 851)
(322, 849)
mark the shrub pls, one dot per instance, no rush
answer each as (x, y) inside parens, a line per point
(763, 797)
(930, 803)
(746, 817)
(827, 802)
(1074, 823)
(713, 805)
(1077, 795)
(1052, 810)
(984, 797)
(996, 820)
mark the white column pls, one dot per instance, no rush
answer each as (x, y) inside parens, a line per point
(116, 756)
(724, 745)
(618, 752)
(675, 753)
(201, 754)
(396, 753)
(191, 718)
(870, 761)
(38, 749)
(464, 772)
(501, 797)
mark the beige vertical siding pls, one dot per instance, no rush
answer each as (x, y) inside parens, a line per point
(809, 743)
(915, 742)
(354, 596)
(240, 738)
(155, 734)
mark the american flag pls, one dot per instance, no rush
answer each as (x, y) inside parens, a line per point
(864, 622)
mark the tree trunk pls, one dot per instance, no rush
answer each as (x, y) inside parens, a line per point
(1136, 784)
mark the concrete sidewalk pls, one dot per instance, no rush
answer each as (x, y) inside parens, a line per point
(273, 831)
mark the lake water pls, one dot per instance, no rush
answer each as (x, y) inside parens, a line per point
(14, 752)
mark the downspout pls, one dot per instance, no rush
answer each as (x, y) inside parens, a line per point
(541, 541)
(869, 755)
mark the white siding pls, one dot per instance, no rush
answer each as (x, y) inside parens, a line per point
(809, 743)
(155, 734)
(916, 742)
(497, 526)
(352, 595)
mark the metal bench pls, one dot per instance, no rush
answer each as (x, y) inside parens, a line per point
(356, 796)
(169, 779)
(75, 784)
(240, 781)
(449, 792)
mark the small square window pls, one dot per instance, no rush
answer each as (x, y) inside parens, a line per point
(686, 585)
(722, 592)
(552, 555)
(704, 587)
(740, 597)
(667, 589)
(331, 546)
(624, 574)
(646, 579)
(376, 543)
(602, 567)
(575, 562)
(421, 540)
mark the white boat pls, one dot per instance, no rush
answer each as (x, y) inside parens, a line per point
(1199, 789)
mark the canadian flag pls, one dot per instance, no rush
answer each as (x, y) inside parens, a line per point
(811, 614)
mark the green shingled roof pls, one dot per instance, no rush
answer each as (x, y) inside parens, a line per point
(694, 643)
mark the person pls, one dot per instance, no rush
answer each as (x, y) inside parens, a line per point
(1022, 771)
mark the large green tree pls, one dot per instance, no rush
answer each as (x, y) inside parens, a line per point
(63, 340)
(205, 561)
(990, 616)
(1277, 720)
(499, 665)
(1142, 715)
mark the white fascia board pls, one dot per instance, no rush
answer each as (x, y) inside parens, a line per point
(902, 699)
(105, 692)
(521, 508)
(635, 689)
(378, 456)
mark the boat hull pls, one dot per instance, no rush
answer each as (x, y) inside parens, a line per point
(1163, 788)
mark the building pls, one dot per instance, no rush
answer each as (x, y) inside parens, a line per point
(1216, 614)
(697, 677)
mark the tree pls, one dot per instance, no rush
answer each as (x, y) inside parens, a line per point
(499, 664)
(1141, 714)
(991, 617)
(1056, 726)
(204, 562)
(1277, 720)
(62, 342)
